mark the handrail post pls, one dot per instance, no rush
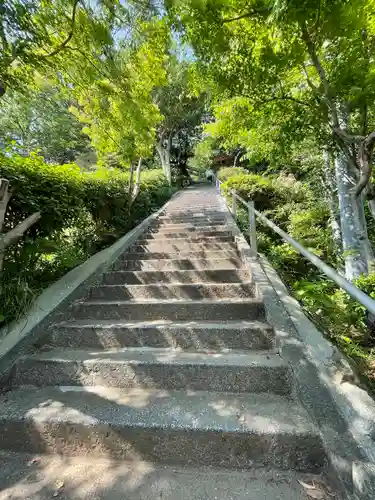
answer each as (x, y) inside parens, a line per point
(252, 228)
(234, 203)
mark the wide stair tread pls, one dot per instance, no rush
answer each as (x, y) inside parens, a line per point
(192, 335)
(160, 368)
(197, 254)
(176, 263)
(171, 309)
(184, 276)
(167, 426)
(173, 291)
(87, 478)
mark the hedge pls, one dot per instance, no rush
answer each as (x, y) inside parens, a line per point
(82, 212)
(292, 205)
(230, 172)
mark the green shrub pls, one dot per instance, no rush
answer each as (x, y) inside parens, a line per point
(293, 206)
(55, 190)
(82, 212)
(267, 192)
(226, 172)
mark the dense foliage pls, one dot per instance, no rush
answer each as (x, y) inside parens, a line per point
(94, 99)
(294, 207)
(80, 214)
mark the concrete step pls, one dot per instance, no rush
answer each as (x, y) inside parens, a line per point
(35, 477)
(202, 428)
(189, 335)
(192, 276)
(183, 245)
(169, 225)
(174, 310)
(189, 219)
(186, 233)
(156, 368)
(189, 228)
(179, 264)
(194, 209)
(198, 254)
(188, 291)
(171, 237)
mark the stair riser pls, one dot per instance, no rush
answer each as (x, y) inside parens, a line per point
(188, 231)
(220, 311)
(142, 278)
(175, 254)
(194, 208)
(191, 338)
(188, 228)
(170, 446)
(192, 292)
(183, 246)
(207, 221)
(178, 264)
(255, 379)
(166, 225)
(190, 235)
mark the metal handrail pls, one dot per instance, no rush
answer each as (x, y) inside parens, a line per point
(343, 283)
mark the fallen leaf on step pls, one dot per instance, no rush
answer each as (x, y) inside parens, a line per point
(306, 485)
(317, 494)
(313, 491)
(58, 485)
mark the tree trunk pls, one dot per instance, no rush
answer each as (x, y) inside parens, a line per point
(5, 195)
(168, 158)
(333, 201)
(15, 234)
(165, 157)
(131, 182)
(354, 252)
(236, 158)
(137, 184)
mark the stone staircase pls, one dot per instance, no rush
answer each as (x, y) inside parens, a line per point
(168, 360)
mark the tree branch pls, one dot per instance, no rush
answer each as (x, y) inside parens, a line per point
(247, 14)
(365, 161)
(5, 196)
(70, 35)
(17, 232)
(322, 75)
(348, 138)
(284, 98)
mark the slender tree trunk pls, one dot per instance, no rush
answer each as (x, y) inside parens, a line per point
(165, 161)
(333, 201)
(168, 158)
(131, 182)
(165, 157)
(236, 158)
(137, 184)
(369, 252)
(17, 232)
(371, 206)
(5, 196)
(354, 252)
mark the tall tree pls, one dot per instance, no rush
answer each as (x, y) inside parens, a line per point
(314, 65)
(40, 120)
(182, 114)
(113, 88)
